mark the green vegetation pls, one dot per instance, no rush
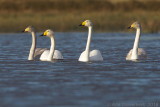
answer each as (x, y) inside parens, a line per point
(66, 15)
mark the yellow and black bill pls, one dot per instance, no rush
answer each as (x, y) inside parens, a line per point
(129, 27)
(82, 24)
(26, 30)
(44, 34)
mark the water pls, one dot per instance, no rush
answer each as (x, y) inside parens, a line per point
(113, 82)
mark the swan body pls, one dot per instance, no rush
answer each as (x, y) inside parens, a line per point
(57, 55)
(136, 53)
(87, 55)
(34, 52)
(49, 55)
(94, 55)
(141, 54)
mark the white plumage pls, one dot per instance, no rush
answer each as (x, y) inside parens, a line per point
(34, 52)
(141, 54)
(136, 53)
(57, 55)
(94, 55)
(52, 54)
(87, 55)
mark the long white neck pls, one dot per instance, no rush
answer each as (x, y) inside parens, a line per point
(88, 43)
(136, 43)
(51, 53)
(33, 47)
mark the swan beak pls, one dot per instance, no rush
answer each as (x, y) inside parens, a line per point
(82, 24)
(44, 34)
(129, 27)
(26, 30)
(132, 26)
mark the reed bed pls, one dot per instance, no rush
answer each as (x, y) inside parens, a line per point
(66, 15)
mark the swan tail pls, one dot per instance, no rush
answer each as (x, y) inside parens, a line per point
(95, 55)
(57, 55)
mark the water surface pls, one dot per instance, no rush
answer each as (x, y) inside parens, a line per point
(113, 82)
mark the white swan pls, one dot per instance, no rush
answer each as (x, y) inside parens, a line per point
(136, 53)
(49, 55)
(34, 52)
(87, 55)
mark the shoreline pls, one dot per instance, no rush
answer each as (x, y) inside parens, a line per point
(105, 15)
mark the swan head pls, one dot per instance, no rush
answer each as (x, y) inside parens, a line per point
(135, 25)
(29, 29)
(87, 23)
(48, 33)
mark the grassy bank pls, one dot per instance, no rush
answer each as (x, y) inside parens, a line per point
(80, 5)
(67, 15)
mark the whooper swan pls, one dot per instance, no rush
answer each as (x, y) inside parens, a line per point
(136, 53)
(87, 55)
(49, 55)
(34, 52)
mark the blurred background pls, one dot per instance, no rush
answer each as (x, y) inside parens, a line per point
(66, 15)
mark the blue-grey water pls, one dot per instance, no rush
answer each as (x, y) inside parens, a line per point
(113, 82)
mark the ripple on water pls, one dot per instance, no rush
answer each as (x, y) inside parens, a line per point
(72, 83)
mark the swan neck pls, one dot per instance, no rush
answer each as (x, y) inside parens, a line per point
(88, 42)
(51, 53)
(136, 43)
(33, 47)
